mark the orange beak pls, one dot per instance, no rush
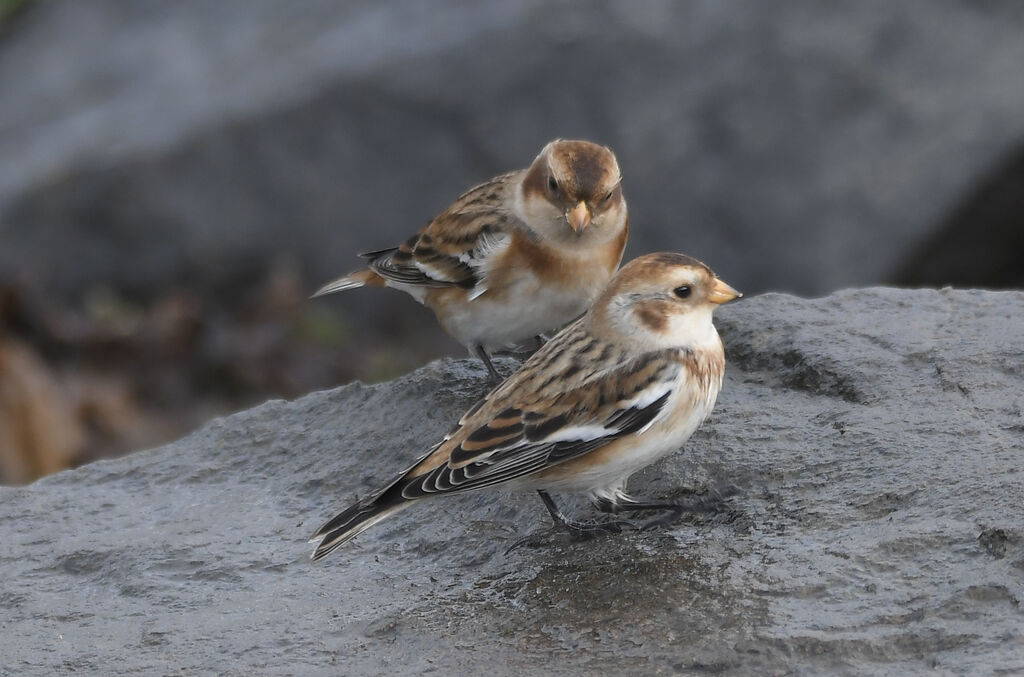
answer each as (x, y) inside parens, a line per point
(721, 292)
(578, 217)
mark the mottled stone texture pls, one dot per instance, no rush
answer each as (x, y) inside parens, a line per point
(871, 444)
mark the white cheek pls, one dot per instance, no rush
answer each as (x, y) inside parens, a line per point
(692, 329)
(539, 214)
(608, 225)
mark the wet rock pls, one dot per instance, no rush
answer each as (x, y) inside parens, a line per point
(870, 443)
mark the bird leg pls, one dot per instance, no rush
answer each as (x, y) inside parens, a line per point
(578, 531)
(481, 352)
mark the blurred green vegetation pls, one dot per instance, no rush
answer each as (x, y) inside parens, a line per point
(9, 7)
(322, 326)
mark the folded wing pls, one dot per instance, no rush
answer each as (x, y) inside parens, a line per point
(541, 432)
(456, 247)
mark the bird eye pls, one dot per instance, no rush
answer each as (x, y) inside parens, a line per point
(682, 292)
(552, 184)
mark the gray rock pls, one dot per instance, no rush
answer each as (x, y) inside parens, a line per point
(802, 147)
(871, 443)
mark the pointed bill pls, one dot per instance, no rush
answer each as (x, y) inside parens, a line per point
(578, 216)
(721, 292)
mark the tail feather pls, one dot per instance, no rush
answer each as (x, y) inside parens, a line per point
(351, 522)
(354, 280)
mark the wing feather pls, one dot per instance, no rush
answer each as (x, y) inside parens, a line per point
(521, 440)
(457, 247)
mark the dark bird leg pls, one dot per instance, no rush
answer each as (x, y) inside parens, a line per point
(578, 531)
(481, 352)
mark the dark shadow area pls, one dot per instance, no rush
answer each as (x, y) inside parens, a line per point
(981, 243)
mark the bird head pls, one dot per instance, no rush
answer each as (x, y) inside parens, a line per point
(662, 300)
(574, 188)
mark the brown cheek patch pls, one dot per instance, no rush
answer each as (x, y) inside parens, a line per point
(654, 316)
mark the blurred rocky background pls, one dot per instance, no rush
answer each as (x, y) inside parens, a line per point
(175, 178)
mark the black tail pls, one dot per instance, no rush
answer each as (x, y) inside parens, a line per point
(354, 520)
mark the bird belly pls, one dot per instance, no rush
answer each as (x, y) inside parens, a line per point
(514, 314)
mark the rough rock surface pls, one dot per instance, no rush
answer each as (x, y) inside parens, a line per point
(800, 147)
(871, 442)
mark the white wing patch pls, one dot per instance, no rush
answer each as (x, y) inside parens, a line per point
(481, 256)
(594, 432)
(589, 433)
(478, 290)
(434, 272)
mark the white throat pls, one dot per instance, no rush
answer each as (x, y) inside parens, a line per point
(694, 329)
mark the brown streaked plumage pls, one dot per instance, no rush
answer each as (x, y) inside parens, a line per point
(613, 392)
(517, 256)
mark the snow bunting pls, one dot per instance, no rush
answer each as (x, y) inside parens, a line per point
(517, 256)
(619, 388)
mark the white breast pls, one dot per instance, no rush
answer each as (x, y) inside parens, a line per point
(685, 411)
(528, 308)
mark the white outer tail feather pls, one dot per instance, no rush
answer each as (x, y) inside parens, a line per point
(326, 547)
(341, 284)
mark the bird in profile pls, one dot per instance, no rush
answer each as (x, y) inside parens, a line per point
(613, 392)
(515, 257)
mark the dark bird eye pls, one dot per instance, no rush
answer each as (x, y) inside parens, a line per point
(552, 184)
(682, 292)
